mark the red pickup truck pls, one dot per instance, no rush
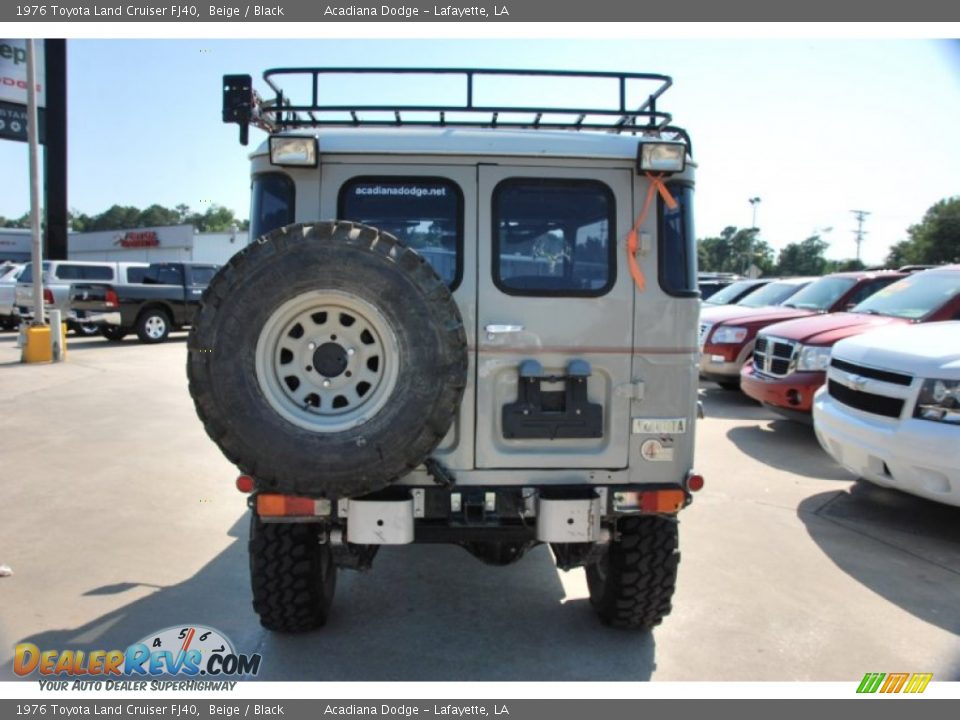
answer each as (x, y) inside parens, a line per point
(727, 333)
(790, 359)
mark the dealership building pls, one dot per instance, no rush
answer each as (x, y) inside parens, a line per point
(174, 243)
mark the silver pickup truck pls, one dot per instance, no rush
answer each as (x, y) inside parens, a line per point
(60, 275)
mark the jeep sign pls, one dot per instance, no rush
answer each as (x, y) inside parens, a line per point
(13, 72)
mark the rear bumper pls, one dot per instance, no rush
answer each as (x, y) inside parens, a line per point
(98, 318)
(793, 393)
(916, 456)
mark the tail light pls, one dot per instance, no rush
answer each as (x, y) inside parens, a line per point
(48, 296)
(112, 299)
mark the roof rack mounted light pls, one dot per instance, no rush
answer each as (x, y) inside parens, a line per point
(242, 105)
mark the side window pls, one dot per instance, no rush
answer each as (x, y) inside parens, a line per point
(677, 247)
(136, 274)
(272, 203)
(553, 237)
(69, 272)
(868, 288)
(96, 272)
(426, 213)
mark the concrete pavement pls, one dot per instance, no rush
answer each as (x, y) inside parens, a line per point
(120, 518)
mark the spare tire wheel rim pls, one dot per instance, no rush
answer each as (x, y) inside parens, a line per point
(327, 361)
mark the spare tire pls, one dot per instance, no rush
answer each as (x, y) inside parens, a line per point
(327, 360)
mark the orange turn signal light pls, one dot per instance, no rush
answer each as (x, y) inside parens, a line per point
(272, 505)
(662, 501)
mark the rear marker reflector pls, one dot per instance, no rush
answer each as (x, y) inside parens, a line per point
(245, 484)
(695, 483)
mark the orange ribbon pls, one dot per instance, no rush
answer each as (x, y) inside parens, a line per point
(633, 241)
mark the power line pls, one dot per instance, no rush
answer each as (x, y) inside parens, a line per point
(859, 232)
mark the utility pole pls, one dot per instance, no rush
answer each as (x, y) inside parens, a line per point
(859, 232)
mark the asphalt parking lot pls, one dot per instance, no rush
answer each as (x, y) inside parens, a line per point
(120, 518)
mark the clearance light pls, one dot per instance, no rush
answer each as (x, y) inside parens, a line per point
(298, 151)
(661, 157)
(245, 484)
(272, 505)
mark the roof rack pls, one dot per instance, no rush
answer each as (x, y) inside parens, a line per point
(243, 105)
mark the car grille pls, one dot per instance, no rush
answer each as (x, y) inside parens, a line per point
(868, 372)
(868, 402)
(773, 356)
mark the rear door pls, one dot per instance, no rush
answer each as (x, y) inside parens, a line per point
(552, 300)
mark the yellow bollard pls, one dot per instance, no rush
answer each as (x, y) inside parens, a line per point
(38, 347)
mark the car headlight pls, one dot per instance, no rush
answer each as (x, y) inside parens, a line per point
(813, 358)
(939, 400)
(728, 335)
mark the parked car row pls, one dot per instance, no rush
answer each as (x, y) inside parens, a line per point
(109, 298)
(874, 356)
(890, 409)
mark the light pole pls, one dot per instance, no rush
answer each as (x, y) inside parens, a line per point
(754, 201)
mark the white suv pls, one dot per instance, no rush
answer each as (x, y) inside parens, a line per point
(890, 411)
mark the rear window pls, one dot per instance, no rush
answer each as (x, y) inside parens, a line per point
(163, 275)
(553, 237)
(914, 297)
(772, 294)
(821, 294)
(425, 213)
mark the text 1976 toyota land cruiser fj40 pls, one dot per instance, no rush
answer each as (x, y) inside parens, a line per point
(462, 323)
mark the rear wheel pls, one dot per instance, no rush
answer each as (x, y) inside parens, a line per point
(85, 329)
(632, 584)
(153, 326)
(292, 574)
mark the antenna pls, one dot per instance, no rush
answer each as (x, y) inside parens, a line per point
(859, 232)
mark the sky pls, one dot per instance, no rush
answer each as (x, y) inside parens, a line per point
(815, 128)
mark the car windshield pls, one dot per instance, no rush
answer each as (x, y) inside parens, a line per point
(730, 292)
(821, 294)
(914, 297)
(772, 294)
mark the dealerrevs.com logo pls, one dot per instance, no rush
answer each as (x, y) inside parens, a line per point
(191, 651)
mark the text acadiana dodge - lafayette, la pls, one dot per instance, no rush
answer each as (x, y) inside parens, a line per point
(404, 11)
(414, 710)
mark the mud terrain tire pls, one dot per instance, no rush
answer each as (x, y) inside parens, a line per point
(327, 360)
(293, 576)
(632, 585)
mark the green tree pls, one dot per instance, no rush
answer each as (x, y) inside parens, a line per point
(804, 258)
(932, 241)
(735, 250)
(848, 265)
(21, 222)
